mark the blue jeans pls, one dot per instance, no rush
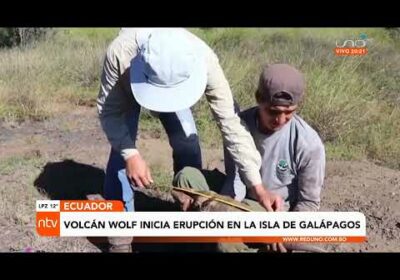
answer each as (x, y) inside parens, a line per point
(183, 139)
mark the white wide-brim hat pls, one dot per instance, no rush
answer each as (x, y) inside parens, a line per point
(169, 73)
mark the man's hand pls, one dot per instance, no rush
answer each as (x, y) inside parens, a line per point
(270, 201)
(274, 248)
(138, 172)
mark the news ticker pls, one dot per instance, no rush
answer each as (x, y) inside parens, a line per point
(102, 218)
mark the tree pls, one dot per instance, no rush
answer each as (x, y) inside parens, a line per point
(10, 37)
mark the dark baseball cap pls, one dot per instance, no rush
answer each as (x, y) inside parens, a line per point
(280, 85)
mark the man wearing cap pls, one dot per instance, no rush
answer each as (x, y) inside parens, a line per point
(293, 155)
(167, 70)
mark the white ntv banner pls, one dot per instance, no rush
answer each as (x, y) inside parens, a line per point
(212, 224)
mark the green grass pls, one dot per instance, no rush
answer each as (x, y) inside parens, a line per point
(38, 81)
(17, 208)
(100, 34)
(11, 164)
(18, 192)
(162, 178)
(353, 102)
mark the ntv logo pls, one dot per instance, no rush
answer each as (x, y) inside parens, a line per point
(352, 47)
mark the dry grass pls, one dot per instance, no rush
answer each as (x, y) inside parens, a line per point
(17, 203)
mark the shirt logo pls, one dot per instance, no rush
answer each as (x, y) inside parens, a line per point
(283, 165)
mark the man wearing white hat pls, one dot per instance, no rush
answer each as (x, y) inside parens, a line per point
(167, 70)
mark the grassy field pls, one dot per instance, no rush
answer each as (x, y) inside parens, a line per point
(353, 102)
